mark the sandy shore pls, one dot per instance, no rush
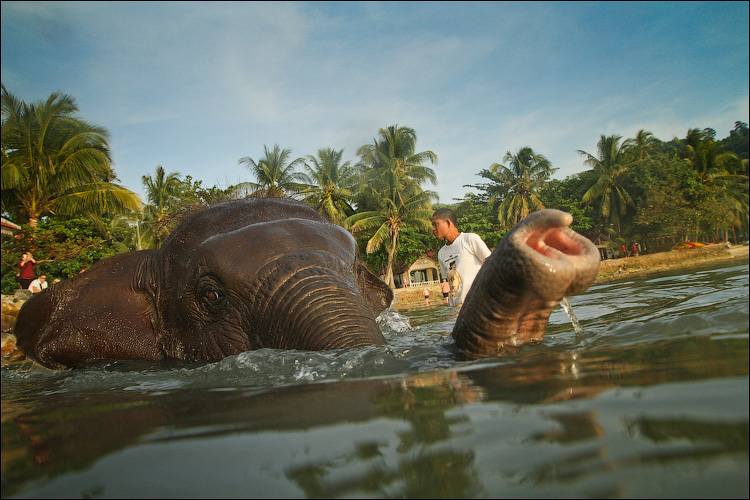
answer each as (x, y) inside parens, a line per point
(609, 270)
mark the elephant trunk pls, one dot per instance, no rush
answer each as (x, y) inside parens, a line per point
(313, 308)
(534, 266)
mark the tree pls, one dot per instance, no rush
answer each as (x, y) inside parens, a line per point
(708, 158)
(398, 144)
(390, 195)
(475, 215)
(737, 142)
(275, 177)
(161, 191)
(402, 204)
(566, 195)
(608, 176)
(393, 156)
(331, 184)
(62, 246)
(642, 145)
(519, 183)
(56, 163)
(724, 198)
(191, 192)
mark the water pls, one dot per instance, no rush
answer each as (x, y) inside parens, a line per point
(649, 400)
(565, 304)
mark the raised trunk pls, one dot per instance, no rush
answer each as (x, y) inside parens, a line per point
(534, 266)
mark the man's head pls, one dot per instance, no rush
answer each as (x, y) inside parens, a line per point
(445, 224)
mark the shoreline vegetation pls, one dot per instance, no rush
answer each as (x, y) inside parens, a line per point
(609, 270)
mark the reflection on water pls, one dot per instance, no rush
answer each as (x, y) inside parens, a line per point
(650, 400)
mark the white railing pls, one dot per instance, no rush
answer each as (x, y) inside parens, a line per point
(423, 283)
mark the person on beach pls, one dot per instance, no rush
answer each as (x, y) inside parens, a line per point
(467, 250)
(26, 270)
(426, 293)
(454, 280)
(38, 284)
(446, 289)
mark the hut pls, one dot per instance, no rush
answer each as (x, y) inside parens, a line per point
(608, 249)
(421, 272)
(8, 227)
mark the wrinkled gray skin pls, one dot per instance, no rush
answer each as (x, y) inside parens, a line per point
(273, 273)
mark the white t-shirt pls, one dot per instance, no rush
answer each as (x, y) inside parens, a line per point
(468, 251)
(37, 284)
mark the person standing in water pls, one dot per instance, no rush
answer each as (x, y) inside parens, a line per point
(454, 279)
(446, 289)
(466, 250)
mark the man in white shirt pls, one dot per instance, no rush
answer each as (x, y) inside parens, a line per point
(466, 250)
(38, 284)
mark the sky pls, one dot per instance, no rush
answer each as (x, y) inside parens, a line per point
(196, 86)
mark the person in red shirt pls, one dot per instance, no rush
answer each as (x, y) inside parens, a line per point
(26, 270)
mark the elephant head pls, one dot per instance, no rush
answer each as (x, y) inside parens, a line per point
(236, 276)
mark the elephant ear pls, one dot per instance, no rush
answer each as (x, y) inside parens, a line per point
(377, 294)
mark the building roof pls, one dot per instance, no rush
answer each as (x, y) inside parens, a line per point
(8, 227)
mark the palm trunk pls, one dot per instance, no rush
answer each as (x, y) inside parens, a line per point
(391, 255)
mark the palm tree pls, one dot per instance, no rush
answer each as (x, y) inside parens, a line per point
(55, 163)
(161, 191)
(708, 159)
(402, 203)
(721, 174)
(519, 183)
(140, 233)
(331, 184)
(276, 178)
(642, 145)
(390, 194)
(393, 154)
(608, 173)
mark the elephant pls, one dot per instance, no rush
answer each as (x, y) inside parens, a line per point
(273, 273)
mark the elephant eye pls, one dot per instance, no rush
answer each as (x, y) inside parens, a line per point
(211, 294)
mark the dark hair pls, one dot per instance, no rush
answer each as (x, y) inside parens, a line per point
(446, 214)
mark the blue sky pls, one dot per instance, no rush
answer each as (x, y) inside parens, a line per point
(195, 86)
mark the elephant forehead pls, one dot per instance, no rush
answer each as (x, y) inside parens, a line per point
(257, 244)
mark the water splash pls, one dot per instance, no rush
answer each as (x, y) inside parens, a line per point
(565, 303)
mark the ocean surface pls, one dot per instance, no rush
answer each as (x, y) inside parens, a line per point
(649, 400)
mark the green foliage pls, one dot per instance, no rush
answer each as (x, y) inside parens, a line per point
(566, 195)
(331, 184)
(475, 215)
(412, 245)
(274, 173)
(519, 180)
(608, 174)
(737, 142)
(55, 163)
(62, 247)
